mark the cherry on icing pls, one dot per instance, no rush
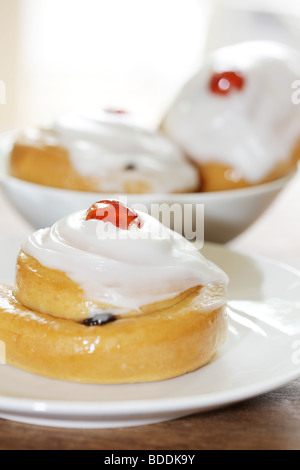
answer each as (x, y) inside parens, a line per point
(114, 212)
(115, 111)
(225, 82)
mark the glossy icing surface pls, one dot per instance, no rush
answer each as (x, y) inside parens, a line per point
(126, 269)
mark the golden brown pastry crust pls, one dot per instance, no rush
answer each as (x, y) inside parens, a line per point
(48, 291)
(152, 347)
(218, 177)
(51, 166)
(52, 292)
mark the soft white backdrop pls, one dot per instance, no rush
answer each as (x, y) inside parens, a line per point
(126, 53)
(61, 55)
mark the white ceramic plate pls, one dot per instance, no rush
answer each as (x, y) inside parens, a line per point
(227, 213)
(261, 354)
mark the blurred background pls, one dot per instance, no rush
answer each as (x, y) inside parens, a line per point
(58, 56)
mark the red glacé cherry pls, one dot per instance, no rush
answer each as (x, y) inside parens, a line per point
(224, 83)
(114, 212)
(115, 111)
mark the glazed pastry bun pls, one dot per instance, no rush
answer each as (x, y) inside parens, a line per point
(112, 296)
(236, 120)
(103, 152)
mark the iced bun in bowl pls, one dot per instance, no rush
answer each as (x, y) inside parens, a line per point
(236, 120)
(103, 151)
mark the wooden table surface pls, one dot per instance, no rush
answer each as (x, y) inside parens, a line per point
(271, 421)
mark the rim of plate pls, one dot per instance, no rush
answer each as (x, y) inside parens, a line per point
(186, 403)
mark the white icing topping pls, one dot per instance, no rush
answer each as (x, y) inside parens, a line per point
(251, 130)
(126, 269)
(112, 148)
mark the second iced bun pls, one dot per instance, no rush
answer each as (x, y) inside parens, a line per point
(103, 152)
(236, 119)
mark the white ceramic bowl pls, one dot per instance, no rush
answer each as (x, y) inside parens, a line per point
(226, 214)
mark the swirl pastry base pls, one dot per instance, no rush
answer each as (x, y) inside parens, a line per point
(52, 292)
(218, 177)
(157, 346)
